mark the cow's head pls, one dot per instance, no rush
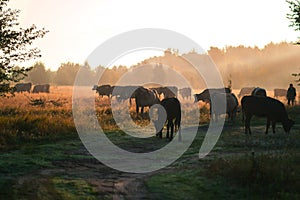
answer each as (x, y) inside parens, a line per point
(95, 87)
(288, 125)
(201, 97)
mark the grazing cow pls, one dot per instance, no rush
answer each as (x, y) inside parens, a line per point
(103, 90)
(231, 105)
(23, 87)
(145, 97)
(185, 92)
(173, 111)
(259, 92)
(279, 93)
(245, 91)
(207, 93)
(267, 107)
(45, 88)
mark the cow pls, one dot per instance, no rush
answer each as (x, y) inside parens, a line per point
(260, 92)
(45, 88)
(231, 105)
(173, 117)
(207, 93)
(245, 91)
(185, 92)
(23, 87)
(103, 90)
(267, 107)
(123, 93)
(168, 91)
(145, 97)
(279, 93)
(217, 96)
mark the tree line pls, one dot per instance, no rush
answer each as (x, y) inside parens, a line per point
(271, 66)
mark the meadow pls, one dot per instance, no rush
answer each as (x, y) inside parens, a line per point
(42, 156)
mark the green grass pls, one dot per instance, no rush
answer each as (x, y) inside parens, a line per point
(43, 158)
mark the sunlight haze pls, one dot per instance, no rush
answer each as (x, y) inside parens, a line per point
(78, 27)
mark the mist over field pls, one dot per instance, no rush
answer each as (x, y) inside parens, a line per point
(270, 67)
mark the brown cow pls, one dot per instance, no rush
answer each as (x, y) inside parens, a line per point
(145, 97)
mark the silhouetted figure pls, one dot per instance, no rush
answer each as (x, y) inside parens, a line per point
(291, 94)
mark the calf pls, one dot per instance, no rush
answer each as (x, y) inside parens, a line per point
(267, 107)
(173, 111)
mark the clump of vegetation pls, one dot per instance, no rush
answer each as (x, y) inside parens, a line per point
(275, 176)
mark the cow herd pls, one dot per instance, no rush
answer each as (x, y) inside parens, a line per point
(147, 97)
(26, 87)
(278, 92)
(254, 102)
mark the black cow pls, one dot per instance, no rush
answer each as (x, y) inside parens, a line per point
(267, 107)
(145, 97)
(260, 92)
(207, 93)
(45, 88)
(168, 92)
(185, 92)
(22, 87)
(103, 90)
(173, 118)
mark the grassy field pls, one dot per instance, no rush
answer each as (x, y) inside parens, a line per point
(42, 157)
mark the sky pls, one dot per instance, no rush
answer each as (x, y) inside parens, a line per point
(78, 27)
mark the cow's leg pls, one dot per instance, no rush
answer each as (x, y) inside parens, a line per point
(168, 128)
(268, 125)
(247, 124)
(142, 110)
(172, 129)
(273, 125)
(137, 109)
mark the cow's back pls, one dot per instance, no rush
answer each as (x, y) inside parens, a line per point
(263, 106)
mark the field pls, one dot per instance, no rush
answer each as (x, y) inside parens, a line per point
(42, 156)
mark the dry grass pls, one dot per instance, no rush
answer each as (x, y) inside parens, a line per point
(28, 116)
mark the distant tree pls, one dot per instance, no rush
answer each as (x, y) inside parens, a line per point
(66, 73)
(38, 74)
(294, 18)
(15, 45)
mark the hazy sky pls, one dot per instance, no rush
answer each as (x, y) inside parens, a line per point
(77, 27)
